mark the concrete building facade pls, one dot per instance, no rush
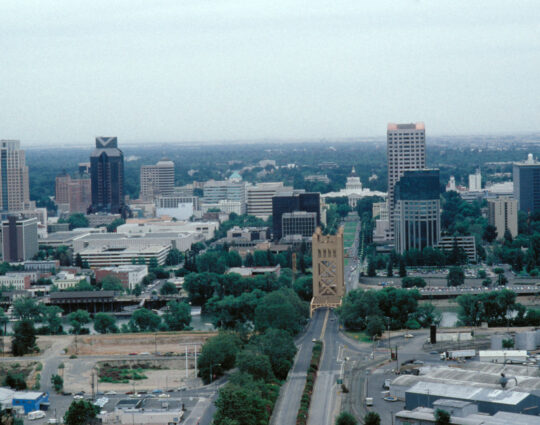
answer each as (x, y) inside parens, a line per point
(259, 198)
(293, 201)
(73, 195)
(298, 223)
(157, 179)
(503, 214)
(19, 239)
(406, 150)
(14, 186)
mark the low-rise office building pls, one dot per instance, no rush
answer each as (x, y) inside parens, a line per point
(17, 282)
(105, 256)
(129, 275)
(65, 280)
(466, 243)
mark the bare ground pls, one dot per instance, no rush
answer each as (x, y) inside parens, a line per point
(124, 344)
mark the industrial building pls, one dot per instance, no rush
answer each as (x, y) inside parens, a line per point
(488, 400)
(426, 416)
(31, 400)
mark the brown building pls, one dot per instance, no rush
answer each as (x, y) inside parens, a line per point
(73, 195)
(19, 239)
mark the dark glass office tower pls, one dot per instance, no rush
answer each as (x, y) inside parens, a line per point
(291, 201)
(527, 185)
(417, 218)
(107, 175)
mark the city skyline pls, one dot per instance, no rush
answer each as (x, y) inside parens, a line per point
(233, 71)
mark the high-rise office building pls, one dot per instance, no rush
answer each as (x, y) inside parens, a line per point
(503, 214)
(475, 181)
(73, 195)
(107, 175)
(417, 212)
(157, 179)
(232, 189)
(259, 198)
(291, 201)
(301, 223)
(14, 189)
(406, 150)
(19, 239)
(527, 184)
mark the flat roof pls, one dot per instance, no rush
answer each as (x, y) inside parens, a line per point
(467, 392)
(30, 395)
(82, 294)
(411, 126)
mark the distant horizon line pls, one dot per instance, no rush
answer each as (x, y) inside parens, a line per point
(209, 142)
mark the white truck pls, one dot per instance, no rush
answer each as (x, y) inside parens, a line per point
(458, 354)
(36, 414)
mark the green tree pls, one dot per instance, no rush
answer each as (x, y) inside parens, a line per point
(389, 270)
(178, 316)
(372, 418)
(303, 286)
(371, 270)
(456, 276)
(78, 260)
(81, 412)
(24, 338)
(144, 320)
(15, 380)
(52, 315)
(256, 364)
(174, 257)
(76, 220)
(402, 269)
(281, 309)
(234, 259)
(114, 224)
(345, 418)
(3, 321)
(218, 355)
(413, 282)
(442, 417)
(508, 343)
(375, 326)
(279, 346)
(111, 283)
(78, 319)
(490, 233)
(241, 404)
(168, 288)
(105, 323)
(58, 383)
(249, 260)
(137, 290)
(260, 259)
(28, 308)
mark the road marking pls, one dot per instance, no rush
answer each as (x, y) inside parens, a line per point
(323, 330)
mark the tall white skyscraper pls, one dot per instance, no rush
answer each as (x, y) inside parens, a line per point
(14, 189)
(475, 181)
(406, 150)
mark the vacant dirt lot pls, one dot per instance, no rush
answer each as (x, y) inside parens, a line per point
(124, 344)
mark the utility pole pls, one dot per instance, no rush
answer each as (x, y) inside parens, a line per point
(186, 361)
(397, 361)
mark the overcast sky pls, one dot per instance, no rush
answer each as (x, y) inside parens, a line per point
(207, 70)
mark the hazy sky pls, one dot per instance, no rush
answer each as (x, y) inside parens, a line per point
(228, 69)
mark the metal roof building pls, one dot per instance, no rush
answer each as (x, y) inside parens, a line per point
(491, 401)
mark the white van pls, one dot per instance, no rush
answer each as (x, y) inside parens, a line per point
(36, 414)
(369, 401)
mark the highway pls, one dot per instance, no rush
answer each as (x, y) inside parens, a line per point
(288, 403)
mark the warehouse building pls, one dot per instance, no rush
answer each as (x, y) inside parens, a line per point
(488, 400)
(425, 416)
(31, 401)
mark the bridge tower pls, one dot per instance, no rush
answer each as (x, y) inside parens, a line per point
(328, 270)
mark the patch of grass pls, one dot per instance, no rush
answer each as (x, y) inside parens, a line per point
(358, 336)
(123, 374)
(39, 367)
